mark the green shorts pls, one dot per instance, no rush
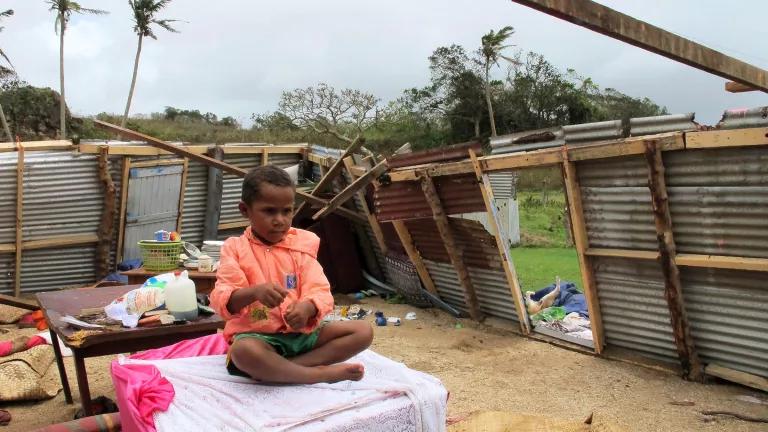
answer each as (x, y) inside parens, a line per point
(286, 344)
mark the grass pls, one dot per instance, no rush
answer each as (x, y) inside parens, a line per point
(537, 267)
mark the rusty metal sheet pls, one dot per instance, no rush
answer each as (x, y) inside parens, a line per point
(477, 245)
(405, 200)
(440, 154)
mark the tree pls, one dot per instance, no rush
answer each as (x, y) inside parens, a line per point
(64, 10)
(4, 73)
(144, 12)
(492, 45)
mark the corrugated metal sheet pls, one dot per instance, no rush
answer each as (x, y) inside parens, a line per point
(8, 197)
(405, 200)
(195, 195)
(528, 140)
(635, 313)
(726, 309)
(617, 203)
(434, 155)
(493, 292)
(719, 201)
(744, 118)
(590, 132)
(51, 269)
(661, 124)
(503, 184)
(477, 246)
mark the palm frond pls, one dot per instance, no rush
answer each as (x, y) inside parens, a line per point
(6, 13)
(166, 24)
(2, 54)
(93, 11)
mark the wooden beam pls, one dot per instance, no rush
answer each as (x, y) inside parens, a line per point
(734, 87)
(352, 189)
(182, 192)
(107, 225)
(19, 218)
(123, 206)
(323, 161)
(319, 203)
(727, 138)
(622, 253)
(137, 150)
(38, 145)
(414, 256)
(626, 146)
(28, 304)
(581, 241)
(375, 226)
(355, 170)
(446, 233)
(604, 20)
(673, 290)
(502, 243)
(738, 377)
(264, 157)
(233, 225)
(213, 197)
(155, 163)
(724, 262)
(261, 148)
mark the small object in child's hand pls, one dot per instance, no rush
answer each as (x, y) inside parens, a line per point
(381, 321)
(394, 320)
(260, 314)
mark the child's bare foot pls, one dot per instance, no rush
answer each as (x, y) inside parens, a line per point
(342, 372)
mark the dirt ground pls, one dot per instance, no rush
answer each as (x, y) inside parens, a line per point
(490, 368)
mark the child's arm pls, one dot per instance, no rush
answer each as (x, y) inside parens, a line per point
(315, 293)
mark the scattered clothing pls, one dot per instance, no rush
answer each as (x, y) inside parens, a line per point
(570, 298)
(19, 344)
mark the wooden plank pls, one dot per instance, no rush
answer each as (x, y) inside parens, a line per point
(264, 157)
(107, 225)
(182, 192)
(446, 233)
(727, 138)
(622, 253)
(29, 304)
(38, 145)
(52, 242)
(375, 226)
(323, 161)
(502, 243)
(319, 202)
(123, 206)
(581, 241)
(156, 162)
(233, 225)
(673, 290)
(604, 20)
(734, 87)
(352, 189)
(627, 146)
(738, 377)
(19, 218)
(414, 256)
(724, 262)
(240, 148)
(137, 150)
(357, 171)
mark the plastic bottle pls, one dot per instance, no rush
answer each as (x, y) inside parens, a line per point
(181, 297)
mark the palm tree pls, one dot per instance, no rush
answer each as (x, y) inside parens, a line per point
(4, 71)
(144, 16)
(64, 10)
(490, 53)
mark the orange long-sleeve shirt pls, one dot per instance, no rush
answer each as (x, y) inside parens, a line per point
(292, 263)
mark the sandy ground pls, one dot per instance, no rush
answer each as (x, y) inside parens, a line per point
(490, 368)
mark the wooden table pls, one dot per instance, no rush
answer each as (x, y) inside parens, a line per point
(56, 304)
(204, 282)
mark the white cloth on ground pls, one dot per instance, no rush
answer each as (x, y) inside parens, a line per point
(391, 397)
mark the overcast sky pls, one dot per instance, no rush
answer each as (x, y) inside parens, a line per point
(234, 57)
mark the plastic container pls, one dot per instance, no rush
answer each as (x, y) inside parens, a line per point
(160, 256)
(181, 297)
(204, 264)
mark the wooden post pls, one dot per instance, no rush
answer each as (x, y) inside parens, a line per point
(414, 256)
(375, 226)
(673, 290)
(182, 192)
(19, 218)
(123, 206)
(107, 225)
(264, 156)
(352, 189)
(446, 233)
(502, 243)
(213, 196)
(581, 241)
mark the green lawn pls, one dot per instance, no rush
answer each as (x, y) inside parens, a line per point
(537, 267)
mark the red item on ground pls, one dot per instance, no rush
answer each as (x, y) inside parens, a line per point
(21, 343)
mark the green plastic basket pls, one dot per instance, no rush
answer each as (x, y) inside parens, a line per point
(158, 256)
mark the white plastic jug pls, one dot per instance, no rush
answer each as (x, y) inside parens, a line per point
(181, 297)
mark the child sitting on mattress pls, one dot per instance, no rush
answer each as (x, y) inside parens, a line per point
(273, 294)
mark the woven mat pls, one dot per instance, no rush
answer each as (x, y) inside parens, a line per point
(11, 314)
(29, 375)
(495, 421)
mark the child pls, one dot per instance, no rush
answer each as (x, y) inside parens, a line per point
(273, 294)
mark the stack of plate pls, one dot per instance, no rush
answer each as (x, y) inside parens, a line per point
(212, 248)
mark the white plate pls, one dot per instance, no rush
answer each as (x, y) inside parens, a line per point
(215, 243)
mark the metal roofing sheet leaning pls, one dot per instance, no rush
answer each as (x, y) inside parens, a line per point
(661, 124)
(590, 132)
(405, 200)
(635, 313)
(744, 118)
(195, 196)
(719, 201)
(51, 269)
(617, 203)
(726, 310)
(478, 247)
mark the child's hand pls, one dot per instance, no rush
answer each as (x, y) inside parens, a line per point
(297, 314)
(269, 294)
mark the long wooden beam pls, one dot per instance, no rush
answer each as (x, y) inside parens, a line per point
(19, 219)
(375, 225)
(727, 138)
(607, 21)
(734, 87)
(673, 290)
(107, 225)
(38, 145)
(352, 189)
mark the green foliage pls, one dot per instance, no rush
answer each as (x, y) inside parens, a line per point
(32, 112)
(538, 267)
(144, 16)
(64, 10)
(542, 218)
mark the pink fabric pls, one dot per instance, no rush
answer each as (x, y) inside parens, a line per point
(141, 390)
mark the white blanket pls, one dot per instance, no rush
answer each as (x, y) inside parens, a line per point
(390, 397)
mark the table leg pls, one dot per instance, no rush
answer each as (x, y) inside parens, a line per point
(82, 383)
(60, 364)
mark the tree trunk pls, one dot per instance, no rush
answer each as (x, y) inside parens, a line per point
(133, 83)
(488, 100)
(62, 102)
(5, 125)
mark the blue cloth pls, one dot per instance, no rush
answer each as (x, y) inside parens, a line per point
(570, 298)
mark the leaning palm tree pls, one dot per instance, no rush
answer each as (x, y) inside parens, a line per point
(144, 16)
(490, 53)
(4, 71)
(64, 10)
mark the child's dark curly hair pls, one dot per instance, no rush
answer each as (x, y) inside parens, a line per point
(269, 174)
